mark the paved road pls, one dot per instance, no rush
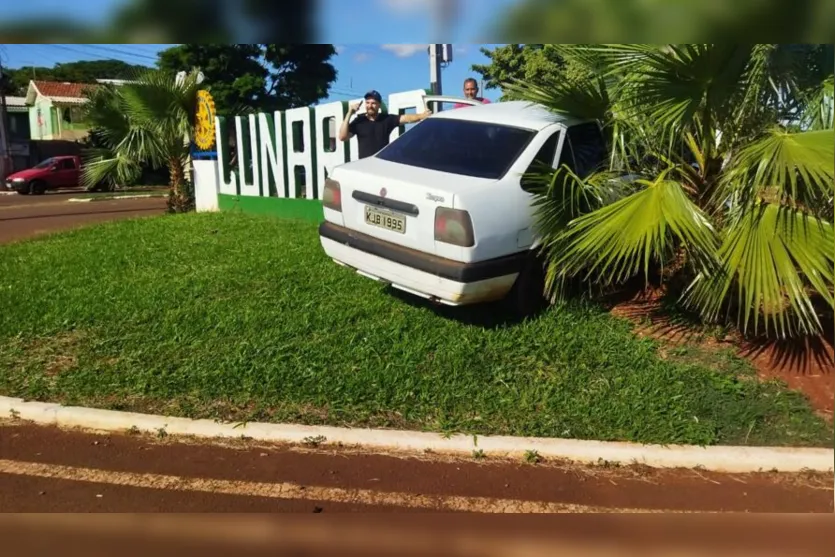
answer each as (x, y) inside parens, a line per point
(26, 216)
(8, 199)
(46, 469)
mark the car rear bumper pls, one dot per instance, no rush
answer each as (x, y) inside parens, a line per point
(442, 280)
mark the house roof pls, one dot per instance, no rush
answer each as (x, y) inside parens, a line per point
(58, 91)
(16, 104)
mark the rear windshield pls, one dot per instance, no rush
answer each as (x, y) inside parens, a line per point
(463, 147)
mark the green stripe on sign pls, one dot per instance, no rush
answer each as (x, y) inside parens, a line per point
(288, 208)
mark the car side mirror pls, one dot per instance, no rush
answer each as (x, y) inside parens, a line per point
(54, 169)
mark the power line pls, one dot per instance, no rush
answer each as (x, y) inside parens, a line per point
(33, 50)
(345, 92)
(85, 53)
(123, 52)
(147, 49)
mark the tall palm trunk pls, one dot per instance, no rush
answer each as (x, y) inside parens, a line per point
(179, 200)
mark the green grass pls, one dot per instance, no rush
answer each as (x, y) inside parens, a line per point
(243, 318)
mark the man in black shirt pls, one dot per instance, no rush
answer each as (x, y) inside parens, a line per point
(372, 128)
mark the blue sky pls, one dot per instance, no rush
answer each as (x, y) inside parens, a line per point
(397, 63)
(389, 68)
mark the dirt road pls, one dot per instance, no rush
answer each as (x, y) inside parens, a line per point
(45, 469)
(26, 216)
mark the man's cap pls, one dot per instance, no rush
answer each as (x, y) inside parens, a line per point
(374, 95)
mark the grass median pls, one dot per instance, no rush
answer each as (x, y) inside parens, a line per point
(243, 318)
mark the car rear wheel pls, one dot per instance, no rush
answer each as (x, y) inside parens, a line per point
(527, 297)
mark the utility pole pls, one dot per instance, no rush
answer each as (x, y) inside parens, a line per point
(435, 69)
(5, 151)
(443, 17)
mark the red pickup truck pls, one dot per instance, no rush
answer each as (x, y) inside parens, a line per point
(51, 174)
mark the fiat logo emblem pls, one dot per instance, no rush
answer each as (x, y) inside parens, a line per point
(383, 192)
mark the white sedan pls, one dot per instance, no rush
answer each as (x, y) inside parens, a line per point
(442, 212)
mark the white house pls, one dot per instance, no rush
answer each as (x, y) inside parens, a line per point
(55, 109)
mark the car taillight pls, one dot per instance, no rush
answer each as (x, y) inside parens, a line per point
(332, 196)
(454, 226)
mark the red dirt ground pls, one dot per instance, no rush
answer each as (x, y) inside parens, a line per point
(807, 366)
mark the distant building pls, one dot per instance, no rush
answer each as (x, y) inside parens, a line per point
(115, 81)
(17, 118)
(55, 110)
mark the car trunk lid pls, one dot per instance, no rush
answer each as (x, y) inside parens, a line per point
(396, 202)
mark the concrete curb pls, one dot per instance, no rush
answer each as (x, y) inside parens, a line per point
(721, 459)
(112, 198)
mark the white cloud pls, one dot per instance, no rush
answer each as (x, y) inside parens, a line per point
(340, 48)
(404, 50)
(461, 49)
(361, 57)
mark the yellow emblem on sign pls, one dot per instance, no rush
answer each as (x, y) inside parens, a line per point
(204, 129)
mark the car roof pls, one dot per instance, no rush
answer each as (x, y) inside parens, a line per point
(522, 114)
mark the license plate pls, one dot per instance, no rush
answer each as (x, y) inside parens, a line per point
(385, 219)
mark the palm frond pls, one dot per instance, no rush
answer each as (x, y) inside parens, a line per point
(620, 240)
(756, 95)
(161, 102)
(697, 87)
(104, 112)
(148, 120)
(103, 165)
(771, 262)
(659, 83)
(587, 99)
(818, 111)
(561, 195)
(792, 168)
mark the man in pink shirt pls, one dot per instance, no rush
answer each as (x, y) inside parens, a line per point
(470, 91)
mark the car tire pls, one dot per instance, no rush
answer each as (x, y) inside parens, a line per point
(25, 190)
(527, 296)
(37, 188)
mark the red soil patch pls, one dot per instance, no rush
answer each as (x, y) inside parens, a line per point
(806, 365)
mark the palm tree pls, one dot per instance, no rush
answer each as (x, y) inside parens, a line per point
(732, 148)
(147, 121)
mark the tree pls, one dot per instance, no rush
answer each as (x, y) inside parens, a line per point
(232, 72)
(6, 85)
(149, 121)
(299, 74)
(524, 62)
(733, 148)
(82, 71)
(257, 77)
